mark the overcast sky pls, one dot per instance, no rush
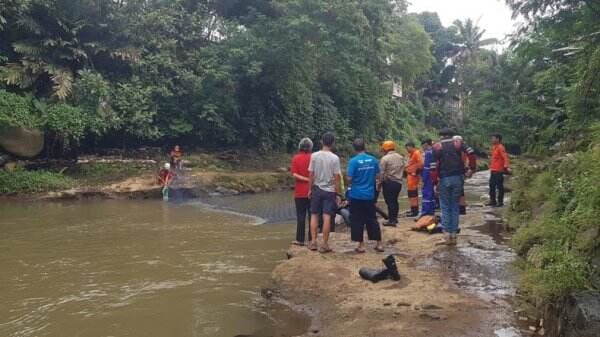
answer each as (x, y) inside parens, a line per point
(494, 16)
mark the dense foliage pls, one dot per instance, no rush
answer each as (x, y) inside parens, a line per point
(551, 101)
(257, 73)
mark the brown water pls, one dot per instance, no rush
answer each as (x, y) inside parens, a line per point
(138, 268)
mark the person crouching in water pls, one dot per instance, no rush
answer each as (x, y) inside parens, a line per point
(392, 170)
(299, 169)
(165, 178)
(324, 181)
(428, 189)
(363, 174)
(413, 178)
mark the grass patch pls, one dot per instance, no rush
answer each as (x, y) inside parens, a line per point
(100, 173)
(556, 207)
(22, 181)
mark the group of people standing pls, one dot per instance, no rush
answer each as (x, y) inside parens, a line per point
(440, 170)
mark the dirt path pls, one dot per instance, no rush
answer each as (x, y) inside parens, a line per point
(463, 291)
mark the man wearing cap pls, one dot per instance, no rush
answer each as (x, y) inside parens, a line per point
(392, 169)
(451, 172)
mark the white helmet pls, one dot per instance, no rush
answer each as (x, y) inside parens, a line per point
(457, 137)
(167, 166)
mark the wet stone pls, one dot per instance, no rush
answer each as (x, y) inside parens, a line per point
(433, 316)
(431, 307)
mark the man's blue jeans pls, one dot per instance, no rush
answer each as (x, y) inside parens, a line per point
(450, 189)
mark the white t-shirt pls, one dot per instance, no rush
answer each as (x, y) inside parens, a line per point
(324, 166)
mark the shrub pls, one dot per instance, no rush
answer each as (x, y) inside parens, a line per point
(556, 210)
(16, 110)
(22, 181)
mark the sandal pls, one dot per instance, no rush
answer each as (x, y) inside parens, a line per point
(379, 249)
(313, 246)
(325, 250)
(360, 250)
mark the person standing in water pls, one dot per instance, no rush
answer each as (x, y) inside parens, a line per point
(299, 169)
(499, 165)
(392, 169)
(324, 181)
(362, 177)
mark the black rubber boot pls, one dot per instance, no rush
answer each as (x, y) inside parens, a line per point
(374, 275)
(390, 265)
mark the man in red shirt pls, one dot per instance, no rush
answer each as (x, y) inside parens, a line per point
(299, 169)
(499, 165)
(165, 178)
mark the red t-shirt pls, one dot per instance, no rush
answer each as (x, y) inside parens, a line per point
(299, 166)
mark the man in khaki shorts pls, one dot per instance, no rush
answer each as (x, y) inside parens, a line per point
(324, 181)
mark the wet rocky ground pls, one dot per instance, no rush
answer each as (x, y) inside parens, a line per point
(464, 291)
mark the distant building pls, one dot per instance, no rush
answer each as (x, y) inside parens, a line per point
(397, 89)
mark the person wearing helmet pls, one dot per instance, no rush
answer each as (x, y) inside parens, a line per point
(299, 170)
(165, 178)
(392, 169)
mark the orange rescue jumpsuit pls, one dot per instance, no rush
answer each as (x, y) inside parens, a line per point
(413, 178)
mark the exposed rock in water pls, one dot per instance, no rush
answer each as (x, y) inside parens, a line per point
(22, 142)
(577, 315)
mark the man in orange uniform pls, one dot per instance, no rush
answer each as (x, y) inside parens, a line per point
(499, 165)
(413, 177)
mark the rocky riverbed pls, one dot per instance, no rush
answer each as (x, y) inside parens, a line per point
(462, 291)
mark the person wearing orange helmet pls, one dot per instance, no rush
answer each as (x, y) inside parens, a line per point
(392, 168)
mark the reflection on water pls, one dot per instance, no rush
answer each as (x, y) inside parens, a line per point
(136, 268)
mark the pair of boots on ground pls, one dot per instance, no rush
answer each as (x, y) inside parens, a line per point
(379, 274)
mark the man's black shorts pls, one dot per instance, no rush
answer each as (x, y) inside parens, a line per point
(322, 202)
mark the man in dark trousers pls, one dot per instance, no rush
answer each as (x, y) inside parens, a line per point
(499, 165)
(451, 172)
(363, 173)
(392, 166)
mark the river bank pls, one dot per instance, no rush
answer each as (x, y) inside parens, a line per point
(134, 176)
(463, 291)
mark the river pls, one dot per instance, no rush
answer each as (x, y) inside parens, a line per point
(138, 268)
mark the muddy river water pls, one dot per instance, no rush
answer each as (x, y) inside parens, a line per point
(137, 268)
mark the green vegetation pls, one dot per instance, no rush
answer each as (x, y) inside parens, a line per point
(555, 209)
(21, 181)
(258, 74)
(103, 173)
